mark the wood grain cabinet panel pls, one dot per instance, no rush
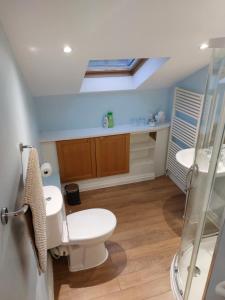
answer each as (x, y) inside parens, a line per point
(112, 154)
(77, 159)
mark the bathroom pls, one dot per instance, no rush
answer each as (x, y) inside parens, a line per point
(148, 220)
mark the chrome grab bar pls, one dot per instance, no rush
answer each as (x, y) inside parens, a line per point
(5, 215)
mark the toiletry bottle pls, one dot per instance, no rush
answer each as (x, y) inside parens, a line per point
(110, 119)
(105, 122)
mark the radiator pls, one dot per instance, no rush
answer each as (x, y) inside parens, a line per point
(187, 108)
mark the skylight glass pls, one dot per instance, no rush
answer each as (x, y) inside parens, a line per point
(119, 80)
(111, 64)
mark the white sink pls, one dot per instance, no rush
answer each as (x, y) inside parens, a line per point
(186, 159)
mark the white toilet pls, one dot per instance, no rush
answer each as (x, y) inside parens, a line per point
(80, 235)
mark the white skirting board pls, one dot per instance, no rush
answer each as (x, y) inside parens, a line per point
(94, 184)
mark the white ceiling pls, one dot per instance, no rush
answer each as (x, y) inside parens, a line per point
(98, 29)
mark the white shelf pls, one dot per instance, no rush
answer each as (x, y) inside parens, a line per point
(142, 147)
(52, 136)
(141, 168)
(142, 161)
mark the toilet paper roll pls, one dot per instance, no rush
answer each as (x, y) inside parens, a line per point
(46, 169)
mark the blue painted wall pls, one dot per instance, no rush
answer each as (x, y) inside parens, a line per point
(62, 112)
(20, 278)
(196, 82)
(87, 110)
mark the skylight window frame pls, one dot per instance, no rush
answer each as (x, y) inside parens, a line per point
(111, 64)
(113, 72)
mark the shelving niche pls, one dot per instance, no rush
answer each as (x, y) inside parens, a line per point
(142, 151)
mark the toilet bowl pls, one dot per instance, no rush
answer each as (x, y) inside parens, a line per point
(80, 235)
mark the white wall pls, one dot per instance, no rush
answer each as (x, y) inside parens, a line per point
(19, 278)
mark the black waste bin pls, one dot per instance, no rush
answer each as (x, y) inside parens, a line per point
(72, 193)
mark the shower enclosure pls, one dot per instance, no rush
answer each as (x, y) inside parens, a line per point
(204, 213)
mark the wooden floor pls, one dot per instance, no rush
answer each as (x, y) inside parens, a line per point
(147, 236)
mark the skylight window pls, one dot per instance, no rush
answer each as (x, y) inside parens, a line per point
(119, 74)
(108, 64)
(114, 67)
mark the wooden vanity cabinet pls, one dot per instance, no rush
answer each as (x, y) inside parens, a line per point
(112, 155)
(94, 157)
(76, 159)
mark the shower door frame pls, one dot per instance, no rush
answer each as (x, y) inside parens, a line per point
(215, 43)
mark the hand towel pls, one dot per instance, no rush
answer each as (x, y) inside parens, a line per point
(34, 197)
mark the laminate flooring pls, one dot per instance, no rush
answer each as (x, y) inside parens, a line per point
(141, 249)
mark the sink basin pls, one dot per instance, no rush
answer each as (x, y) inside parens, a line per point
(186, 159)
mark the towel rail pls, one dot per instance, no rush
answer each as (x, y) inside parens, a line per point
(5, 214)
(22, 147)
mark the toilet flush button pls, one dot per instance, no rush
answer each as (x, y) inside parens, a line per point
(48, 198)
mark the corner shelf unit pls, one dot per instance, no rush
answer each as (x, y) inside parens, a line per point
(142, 151)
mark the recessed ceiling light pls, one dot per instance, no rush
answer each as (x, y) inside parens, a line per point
(67, 49)
(204, 46)
(33, 49)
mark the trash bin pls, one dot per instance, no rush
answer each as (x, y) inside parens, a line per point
(72, 193)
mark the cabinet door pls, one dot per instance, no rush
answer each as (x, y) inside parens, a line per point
(76, 159)
(112, 153)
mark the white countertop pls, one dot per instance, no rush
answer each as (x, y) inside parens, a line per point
(51, 136)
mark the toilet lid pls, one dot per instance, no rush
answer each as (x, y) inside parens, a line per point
(90, 223)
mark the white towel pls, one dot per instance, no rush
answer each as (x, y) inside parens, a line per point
(34, 197)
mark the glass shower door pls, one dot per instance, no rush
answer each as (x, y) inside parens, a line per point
(204, 208)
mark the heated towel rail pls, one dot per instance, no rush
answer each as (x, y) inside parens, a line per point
(187, 108)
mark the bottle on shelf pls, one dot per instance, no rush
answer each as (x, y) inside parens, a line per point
(105, 122)
(110, 120)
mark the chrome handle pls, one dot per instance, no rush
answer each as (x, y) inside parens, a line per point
(188, 177)
(193, 168)
(5, 215)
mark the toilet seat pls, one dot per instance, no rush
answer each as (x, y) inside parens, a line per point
(90, 226)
